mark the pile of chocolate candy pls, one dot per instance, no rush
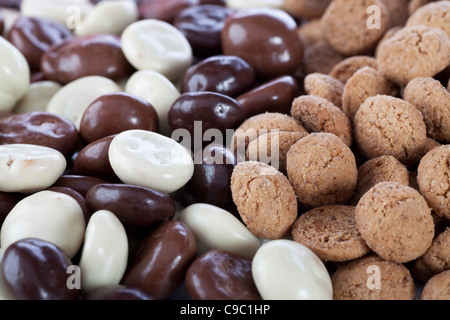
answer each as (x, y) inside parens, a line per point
(209, 149)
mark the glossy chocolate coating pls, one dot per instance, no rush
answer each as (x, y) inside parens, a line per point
(158, 264)
(13, 4)
(220, 275)
(228, 75)
(213, 167)
(87, 212)
(118, 292)
(202, 26)
(273, 96)
(116, 112)
(165, 10)
(7, 202)
(80, 184)
(214, 110)
(266, 38)
(134, 206)
(37, 270)
(93, 160)
(33, 36)
(2, 21)
(94, 55)
(40, 128)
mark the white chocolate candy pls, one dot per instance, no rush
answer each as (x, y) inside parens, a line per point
(29, 168)
(110, 17)
(287, 270)
(151, 160)
(156, 45)
(37, 97)
(158, 90)
(104, 255)
(240, 4)
(215, 228)
(5, 292)
(67, 12)
(14, 75)
(72, 100)
(51, 216)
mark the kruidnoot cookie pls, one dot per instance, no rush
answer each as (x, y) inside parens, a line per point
(433, 177)
(434, 14)
(387, 35)
(372, 278)
(365, 83)
(395, 221)
(260, 124)
(435, 260)
(416, 4)
(433, 101)
(385, 125)
(345, 69)
(398, 11)
(322, 169)
(320, 57)
(306, 9)
(264, 198)
(345, 26)
(437, 288)
(311, 32)
(331, 233)
(319, 115)
(261, 148)
(376, 170)
(324, 86)
(417, 51)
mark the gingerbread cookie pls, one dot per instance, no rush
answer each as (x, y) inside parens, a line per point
(433, 101)
(385, 125)
(264, 198)
(320, 57)
(412, 52)
(322, 169)
(345, 25)
(395, 221)
(434, 14)
(437, 288)
(331, 233)
(306, 9)
(433, 177)
(325, 86)
(345, 69)
(374, 171)
(372, 278)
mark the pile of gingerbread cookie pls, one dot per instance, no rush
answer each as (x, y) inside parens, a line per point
(211, 149)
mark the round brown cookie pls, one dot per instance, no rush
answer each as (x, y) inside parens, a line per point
(358, 280)
(272, 148)
(435, 260)
(310, 32)
(388, 34)
(416, 4)
(345, 69)
(385, 125)
(345, 25)
(433, 101)
(306, 9)
(395, 221)
(413, 52)
(322, 169)
(374, 171)
(325, 86)
(319, 115)
(433, 177)
(320, 57)
(430, 144)
(331, 233)
(365, 83)
(398, 11)
(264, 198)
(261, 124)
(437, 288)
(434, 14)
